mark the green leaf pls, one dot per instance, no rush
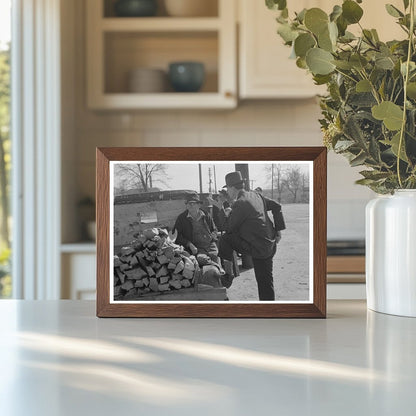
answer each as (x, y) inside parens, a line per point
(301, 63)
(287, 33)
(336, 12)
(351, 11)
(411, 90)
(344, 65)
(316, 20)
(276, 4)
(343, 145)
(301, 15)
(393, 11)
(303, 43)
(384, 62)
(321, 79)
(358, 160)
(363, 86)
(347, 37)
(325, 42)
(406, 4)
(358, 61)
(391, 114)
(394, 144)
(319, 61)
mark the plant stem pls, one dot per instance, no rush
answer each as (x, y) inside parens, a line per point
(406, 80)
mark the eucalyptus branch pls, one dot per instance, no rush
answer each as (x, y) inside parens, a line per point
(406, 80)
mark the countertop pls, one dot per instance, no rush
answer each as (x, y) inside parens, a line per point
(57, 358)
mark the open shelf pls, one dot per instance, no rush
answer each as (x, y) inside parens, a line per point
(116, 46)
(160, 24)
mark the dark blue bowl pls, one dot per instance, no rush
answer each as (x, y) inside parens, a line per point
(186, 76)
(135, 8)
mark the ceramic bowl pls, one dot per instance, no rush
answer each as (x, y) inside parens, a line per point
(186, 76)
(147, 80)
(135, 8)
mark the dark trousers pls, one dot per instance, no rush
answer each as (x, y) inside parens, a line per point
(263, 268)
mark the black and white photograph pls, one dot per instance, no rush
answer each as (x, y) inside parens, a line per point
(211, 231)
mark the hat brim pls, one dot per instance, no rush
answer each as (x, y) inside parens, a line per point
(237, 183)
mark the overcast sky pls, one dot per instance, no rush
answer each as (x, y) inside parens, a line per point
(186, 176)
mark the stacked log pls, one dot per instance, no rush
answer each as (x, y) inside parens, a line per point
(152, 263)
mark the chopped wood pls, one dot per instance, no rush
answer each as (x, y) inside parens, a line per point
(136, 274)
(118, 291)
(171, 266)
(162, 259)
(120, 275)
(164, 279)
(150, 271)
(154, 285)
(185, 283)
(128, 285)
(188, 274)
(169, 252)
(155, 265)
(175, 283)
(134, 262)
(179, 267)
(163, 271)
(177, 277)
(126, 251)
(124, 267)
(116, 261)
(163, 288)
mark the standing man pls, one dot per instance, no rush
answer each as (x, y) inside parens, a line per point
(250, 231)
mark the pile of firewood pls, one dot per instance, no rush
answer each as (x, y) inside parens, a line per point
(152, 263)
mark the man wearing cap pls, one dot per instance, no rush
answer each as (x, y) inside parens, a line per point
(251, 232)
(196, 229)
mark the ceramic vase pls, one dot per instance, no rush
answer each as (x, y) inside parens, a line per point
(391, 253)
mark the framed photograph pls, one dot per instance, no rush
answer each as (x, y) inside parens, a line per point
(211, 232)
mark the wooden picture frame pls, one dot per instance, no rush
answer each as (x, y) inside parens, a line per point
(314, 307)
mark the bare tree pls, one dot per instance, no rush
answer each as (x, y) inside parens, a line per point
(275, 173)
(141, 176)
(293, 181)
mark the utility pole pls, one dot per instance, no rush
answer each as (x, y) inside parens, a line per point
(209, 181)
(200, 178)
(215, 179)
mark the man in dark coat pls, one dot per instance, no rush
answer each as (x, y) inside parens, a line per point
(250, 231)
(196, 229)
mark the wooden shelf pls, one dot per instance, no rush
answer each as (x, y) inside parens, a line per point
(196, 100)
(346, 264)
(116, 45)
(160, 24)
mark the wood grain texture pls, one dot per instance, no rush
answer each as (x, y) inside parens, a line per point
(317, 309)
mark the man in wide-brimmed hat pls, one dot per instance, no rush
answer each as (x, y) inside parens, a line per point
(251, 232)
(196, 229)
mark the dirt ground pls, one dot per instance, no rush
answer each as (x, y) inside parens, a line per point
(290, 264)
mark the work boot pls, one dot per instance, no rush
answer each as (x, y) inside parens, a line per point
(228, 277)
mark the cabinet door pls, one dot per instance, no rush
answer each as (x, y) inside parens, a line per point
(265, 68)
(266, 71)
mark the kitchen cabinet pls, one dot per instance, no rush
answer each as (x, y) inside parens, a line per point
(118, 45)
(78, 262)
(265, 70)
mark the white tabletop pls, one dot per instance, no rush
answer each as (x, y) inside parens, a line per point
(57, 358)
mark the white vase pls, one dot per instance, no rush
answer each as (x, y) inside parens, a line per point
(391, 253)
